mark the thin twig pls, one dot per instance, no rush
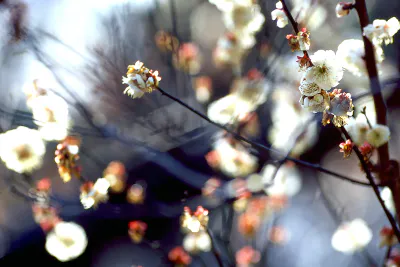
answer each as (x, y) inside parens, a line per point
(263, 147)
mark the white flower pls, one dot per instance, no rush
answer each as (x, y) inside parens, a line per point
(382, 31)
(22, 149)
(197, 242)
(327, 70)
(351, 236)
(67, 241)
(279, 15)
(231, 49)
(351, 53)
(244, 17)
(286, 182)
(342, 9)
(316, 103)
(378, 135)
(132, 90)
(250, 92)
(309, 89)
(50, 112)
(357, 129)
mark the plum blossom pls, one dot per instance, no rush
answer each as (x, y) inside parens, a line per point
(22, 149)
(351, 53)
(346, 148)
(140, 80)
(247, 256)
(387, 237)
(357, 128)
(67, 241)
(326, 71)
(316, 103)
(382, 31)
(309, 89)
(351, 236)
(244, 17)
(179, 257)
(378, 135)
(93, 194)
(279, 15)
(286, 182)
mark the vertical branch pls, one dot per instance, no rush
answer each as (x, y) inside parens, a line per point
(388, 170)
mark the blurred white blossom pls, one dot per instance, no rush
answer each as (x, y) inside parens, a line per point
(197, 242)
(22, 149)
(357, 128)
(378, 135)
(351, 236)
(382, 31)
(244, 17)
(279, 15)
(286, 182)
(351, 53)
(316, 103)
(67, 241)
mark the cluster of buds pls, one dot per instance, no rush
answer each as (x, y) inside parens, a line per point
(115, 175)
(247, 257)
(94, 193)
(382, 31)
(179, 257)
(203, 88)
(136, 194)
(188, 58)
(387, 237)
(137, 230)
(140, 80)
(66, 156)
(194, 221)
(166, 42)
(43, 214)
(340, 107)
(299, 42)
(346, 148)
(195, 225)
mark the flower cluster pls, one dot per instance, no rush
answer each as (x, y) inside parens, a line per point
(279, 15)
(94, 193)
(194, 224)
(140, 80)
(43, 214)
(22, 149)
(382, 31)
(179, 257)
(137, 230)
(66, 156)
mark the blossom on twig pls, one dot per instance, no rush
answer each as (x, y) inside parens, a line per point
(179, 257)
(346, 148)
(387, 237)
(382, 31)
(66, 156)
(279, 15)
(247, 256)
(140, 80)
(343, 9)
(93, 194)
(378, 135)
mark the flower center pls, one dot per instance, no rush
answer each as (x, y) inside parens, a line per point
(23, 152)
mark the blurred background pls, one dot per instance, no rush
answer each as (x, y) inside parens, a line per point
(79, 51)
